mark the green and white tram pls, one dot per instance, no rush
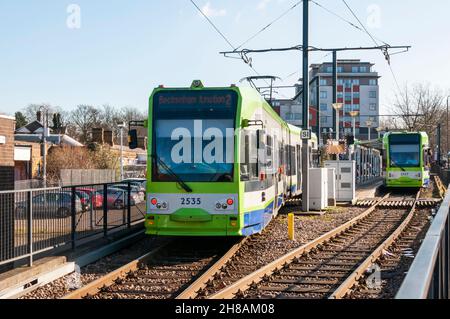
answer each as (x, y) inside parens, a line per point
(406, 159)
(221, 162)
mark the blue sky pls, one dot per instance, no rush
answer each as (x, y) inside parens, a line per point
(123, 49)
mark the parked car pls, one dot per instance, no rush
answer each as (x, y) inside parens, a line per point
(140, 182)
(135, 197)
(94, 196)
(134, 190)
(115, 198)
(85, 199)
(48, 205)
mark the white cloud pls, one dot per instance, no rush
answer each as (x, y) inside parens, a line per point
(238, 17)
(262, 5)
(209, 11)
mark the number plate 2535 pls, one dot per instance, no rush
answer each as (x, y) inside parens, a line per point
(191, 201)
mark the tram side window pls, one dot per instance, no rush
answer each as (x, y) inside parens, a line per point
(269, 151)
(249, 157)
(280, 158)
(286, 160)
(293, 160)
(427, 157)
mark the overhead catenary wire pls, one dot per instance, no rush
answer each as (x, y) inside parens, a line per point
(270, 24)
(212, 24)
(221, 34)
(343, 19)
(385, 51)
(362, 24)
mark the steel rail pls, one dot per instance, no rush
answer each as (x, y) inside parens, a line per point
(441, 187)
(359, 272)
(109, 279)
(192, 291)
(257, 276)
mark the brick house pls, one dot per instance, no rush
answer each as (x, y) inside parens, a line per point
(7, 126)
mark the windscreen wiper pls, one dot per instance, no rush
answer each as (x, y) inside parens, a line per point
(396, 165)
(173, 174)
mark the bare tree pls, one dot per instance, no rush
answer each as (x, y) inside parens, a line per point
(84, 119)
(420, 108)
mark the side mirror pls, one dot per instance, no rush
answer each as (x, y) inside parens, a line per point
(133, 139)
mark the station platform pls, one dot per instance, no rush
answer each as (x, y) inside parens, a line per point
(62, 261)
(368, 190)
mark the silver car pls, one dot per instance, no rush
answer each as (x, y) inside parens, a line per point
(48, 205)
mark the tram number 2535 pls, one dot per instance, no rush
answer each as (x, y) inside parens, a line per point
(191, 201)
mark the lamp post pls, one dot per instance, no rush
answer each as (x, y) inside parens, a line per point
(369, 124)
(337, 107)
(43, 117)
(121, 126)
(354, 114)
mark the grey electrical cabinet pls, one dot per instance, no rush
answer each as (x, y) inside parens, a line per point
(318, 188)
(331, 187)
(345, 179)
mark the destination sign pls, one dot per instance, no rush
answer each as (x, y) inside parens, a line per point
(205, 98)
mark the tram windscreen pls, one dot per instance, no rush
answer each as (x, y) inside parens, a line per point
(404, 150)
(193, 134)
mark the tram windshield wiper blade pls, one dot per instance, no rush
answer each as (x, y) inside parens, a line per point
(173, 174)
(396, 165)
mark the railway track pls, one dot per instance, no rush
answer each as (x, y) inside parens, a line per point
(331, 265)
(327, 267)
(177, 269)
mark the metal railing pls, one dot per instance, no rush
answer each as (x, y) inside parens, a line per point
(34, 221)
(428, 277)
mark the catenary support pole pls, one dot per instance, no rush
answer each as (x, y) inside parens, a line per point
(305, 148)
(335, 128)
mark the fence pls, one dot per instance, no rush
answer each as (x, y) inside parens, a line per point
(368, 164)
(36, 220)
(428, 277)
(71, 177)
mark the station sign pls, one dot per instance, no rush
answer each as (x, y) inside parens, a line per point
(306, 134)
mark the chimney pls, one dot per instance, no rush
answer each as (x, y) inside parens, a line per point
(98, 136)
(109, 138)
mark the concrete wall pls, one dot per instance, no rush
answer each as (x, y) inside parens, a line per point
(74, 177)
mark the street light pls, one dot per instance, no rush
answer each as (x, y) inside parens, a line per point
(354, 114)
(43, 117)
(369, 124)
(337, 107)
(121, 126)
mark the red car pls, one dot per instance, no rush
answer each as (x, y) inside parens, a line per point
(97, 198)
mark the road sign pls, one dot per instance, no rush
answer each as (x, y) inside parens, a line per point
(306, 135)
